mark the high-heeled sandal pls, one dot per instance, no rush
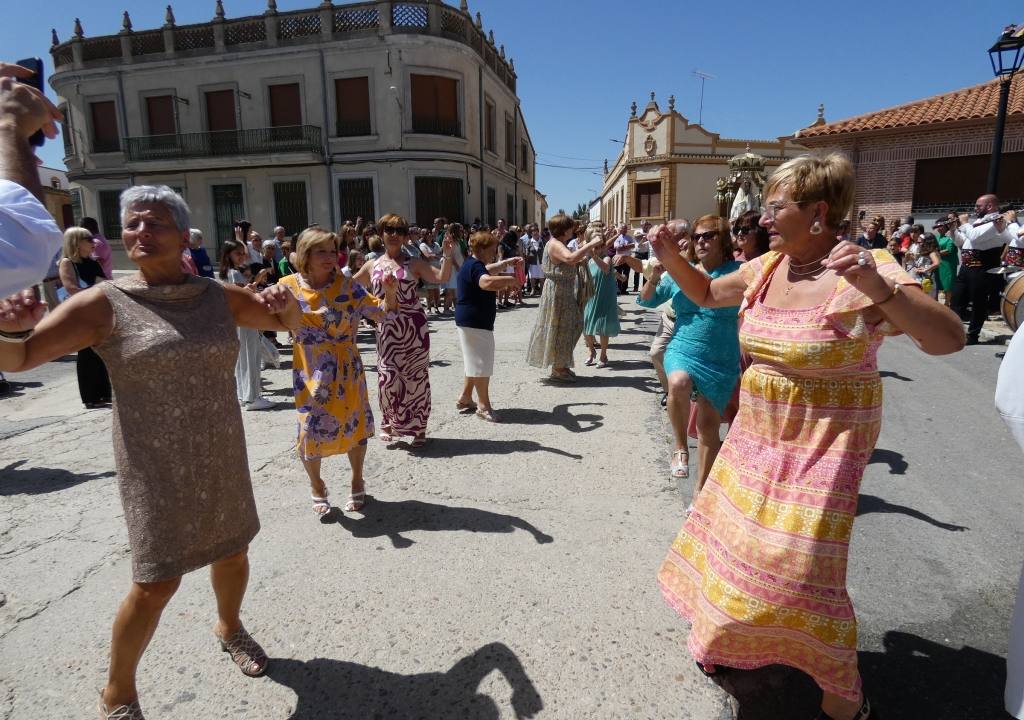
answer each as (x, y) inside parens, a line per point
(321, 505)
(356, 501)
(131, 711)
(246, 653)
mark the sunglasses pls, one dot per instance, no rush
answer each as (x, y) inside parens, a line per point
(743, 230)
(705, 236)
(395, 229)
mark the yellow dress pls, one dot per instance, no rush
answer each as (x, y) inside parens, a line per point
(327, 371)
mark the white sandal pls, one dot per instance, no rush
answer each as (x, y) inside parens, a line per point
(356, 501)
(320, 502)
(680, 468)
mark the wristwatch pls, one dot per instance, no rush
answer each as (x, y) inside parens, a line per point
(16, 337)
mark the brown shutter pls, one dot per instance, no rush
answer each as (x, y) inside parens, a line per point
(447, 101)
(160, 114)
(105, 137)
(424, 102)
(352, 105)
(220, 110)
(285, 105)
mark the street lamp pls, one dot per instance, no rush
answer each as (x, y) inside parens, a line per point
(1006, 56)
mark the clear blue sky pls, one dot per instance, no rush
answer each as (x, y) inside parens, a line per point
(581, 63)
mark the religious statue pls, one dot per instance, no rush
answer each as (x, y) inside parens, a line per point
(748, 197)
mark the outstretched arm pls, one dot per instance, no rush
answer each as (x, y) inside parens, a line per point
(699, 288)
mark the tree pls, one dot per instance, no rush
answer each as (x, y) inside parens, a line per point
(582, 211)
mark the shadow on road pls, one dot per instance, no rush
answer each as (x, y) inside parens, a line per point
(17, 388)
(897, 464)
(643, 383)
(867, 504)
(912, 678)
(39, 480)
(440, 447)
(338, 690)
(560, 415)
(381, 518)
(894, 375)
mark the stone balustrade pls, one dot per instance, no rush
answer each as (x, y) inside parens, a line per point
(325, 23)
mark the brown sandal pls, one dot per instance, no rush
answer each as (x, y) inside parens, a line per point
(246, 653)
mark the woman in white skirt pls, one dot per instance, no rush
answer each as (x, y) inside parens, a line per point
(475, 308)
(248, 367)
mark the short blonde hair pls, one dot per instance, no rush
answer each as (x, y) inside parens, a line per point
(309, 239)
(73, 236)
(818, 177)
(480, 240)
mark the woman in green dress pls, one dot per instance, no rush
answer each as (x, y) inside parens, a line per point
(949, 258)
(601, 315)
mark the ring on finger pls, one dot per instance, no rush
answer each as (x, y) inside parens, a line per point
(862, 258)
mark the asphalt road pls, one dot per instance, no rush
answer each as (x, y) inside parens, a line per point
(505, 570)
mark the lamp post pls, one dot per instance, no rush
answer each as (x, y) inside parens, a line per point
(1006, 57)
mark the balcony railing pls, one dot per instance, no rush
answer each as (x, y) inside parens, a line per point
(256, 141)
(434, 126)
(353, 128)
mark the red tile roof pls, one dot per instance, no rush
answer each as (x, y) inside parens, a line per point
(973, 103)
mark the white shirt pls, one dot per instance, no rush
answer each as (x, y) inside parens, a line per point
(255, 256)
(29, 238)
(984, 237)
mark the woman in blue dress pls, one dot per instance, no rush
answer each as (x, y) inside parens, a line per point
(601, 314)
(703, 355)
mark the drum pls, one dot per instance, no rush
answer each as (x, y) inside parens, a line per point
(1012, 305)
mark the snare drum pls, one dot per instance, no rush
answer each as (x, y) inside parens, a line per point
(1012, 304)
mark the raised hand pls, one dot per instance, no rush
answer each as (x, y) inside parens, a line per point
(21, 311)
(23, 108)
(857, 266)
(448, 245)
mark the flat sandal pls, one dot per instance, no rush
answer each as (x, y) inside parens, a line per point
(131, 711)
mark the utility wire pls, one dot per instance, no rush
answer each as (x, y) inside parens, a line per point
(569, 157)
(569, 167)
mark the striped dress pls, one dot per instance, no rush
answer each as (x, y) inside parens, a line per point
(403, 358)
(759, 567)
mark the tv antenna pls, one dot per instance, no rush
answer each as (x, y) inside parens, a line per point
(703, 77)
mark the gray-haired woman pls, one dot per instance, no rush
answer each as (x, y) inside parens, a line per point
(181, 516)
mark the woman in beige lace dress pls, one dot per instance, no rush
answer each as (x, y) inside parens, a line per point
(559, 323)
(182, 514)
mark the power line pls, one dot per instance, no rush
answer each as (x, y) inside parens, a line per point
(569, 157)
(570, 167)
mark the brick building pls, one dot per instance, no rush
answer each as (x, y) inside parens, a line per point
(929, 156)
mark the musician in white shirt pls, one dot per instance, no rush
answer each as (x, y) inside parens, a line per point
(981, 248)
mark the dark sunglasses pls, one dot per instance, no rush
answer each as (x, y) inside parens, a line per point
(744, 229)
(704, 236)
(395, 229)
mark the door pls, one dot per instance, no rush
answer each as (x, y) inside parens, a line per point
(228, 207)
(285, 111)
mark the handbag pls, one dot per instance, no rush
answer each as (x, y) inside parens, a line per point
(63, 294)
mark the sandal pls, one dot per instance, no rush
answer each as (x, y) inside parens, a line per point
(487, 415)
(863, 714)
(603, 364)
(385, 434)
(356, 501)
(321, 505)
(246, 653)
(562, 377)
(589, 361)
(418, 441)
(131, 711)
(465, 406)
(680, 467)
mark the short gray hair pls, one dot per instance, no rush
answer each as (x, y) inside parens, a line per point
(142, 194)
(195, 235)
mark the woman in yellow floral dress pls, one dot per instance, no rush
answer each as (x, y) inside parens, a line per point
(327, 371)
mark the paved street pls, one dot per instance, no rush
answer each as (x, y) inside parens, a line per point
(505, 570)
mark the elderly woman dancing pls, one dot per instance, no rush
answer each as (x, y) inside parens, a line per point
(327, 371)
(566, 290)
(759, 567)
(403, 345)
(181, 515)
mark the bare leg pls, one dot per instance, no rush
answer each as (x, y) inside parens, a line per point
(840, 708)
(679, 388)
(134, 625)
(467, 391)
(589, 340)
(317, 486)
(355, 459)
(229, 577)
(483, 392)
(604, 348)
(708, 442)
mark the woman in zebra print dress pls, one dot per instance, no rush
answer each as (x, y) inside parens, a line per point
(403, 345)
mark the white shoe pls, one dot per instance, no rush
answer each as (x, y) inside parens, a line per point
(259, 404)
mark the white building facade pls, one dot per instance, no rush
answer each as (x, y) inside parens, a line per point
(311, 116)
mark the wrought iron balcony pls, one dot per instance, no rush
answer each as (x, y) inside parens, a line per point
(256, 141)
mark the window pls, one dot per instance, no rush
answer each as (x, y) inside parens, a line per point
(492, 208)
(524, 160)
(352, 106)
(648, 199)
(490, 131)
(110, 213)
(105, 137)
(435, 105)
(438, 197)
(76, 205)
(220, 110)
(355, 198)
(510, 208)
(228, 206)
(290, 209)
(285, 105)
(160, 115)
(525, 217)
(510, 141)
(65, 131)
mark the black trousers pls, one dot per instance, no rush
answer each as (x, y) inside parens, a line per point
(972, 286)
(93, 382)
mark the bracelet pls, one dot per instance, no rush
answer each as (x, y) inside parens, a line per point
(16, 337)
(894, 293)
